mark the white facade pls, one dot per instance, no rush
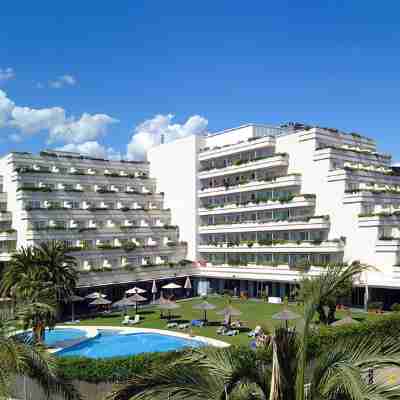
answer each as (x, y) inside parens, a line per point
(270, 203)
(107, 212)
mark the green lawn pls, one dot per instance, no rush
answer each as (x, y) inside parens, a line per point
(253, 313)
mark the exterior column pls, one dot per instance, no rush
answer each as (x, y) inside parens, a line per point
(282, 290)
(221, 285)
(366, 297)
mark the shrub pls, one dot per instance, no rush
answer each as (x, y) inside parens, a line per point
(375, 305)
(115, 369)
(326, 337)
(395, 307)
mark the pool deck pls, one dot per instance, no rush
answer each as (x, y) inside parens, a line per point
(93, 331)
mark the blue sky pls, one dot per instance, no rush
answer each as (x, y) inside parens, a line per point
(120, 64)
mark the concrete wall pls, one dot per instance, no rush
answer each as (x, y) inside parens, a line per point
(175, 166)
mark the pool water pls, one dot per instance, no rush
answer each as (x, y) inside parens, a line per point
(55, 337)
(114, 344)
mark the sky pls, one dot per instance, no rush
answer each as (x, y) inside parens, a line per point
(109, 78)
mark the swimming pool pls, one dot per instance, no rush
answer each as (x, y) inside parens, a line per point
(113, 343)
(61, 336)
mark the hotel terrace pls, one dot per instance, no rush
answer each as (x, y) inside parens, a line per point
(107, 212)
(260, 205)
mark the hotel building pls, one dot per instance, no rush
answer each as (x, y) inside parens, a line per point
(259, 206)
(107, 212)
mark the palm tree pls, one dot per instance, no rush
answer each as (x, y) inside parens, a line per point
(207, 374)
(19, 356)
(339, 373)
(38, 279)
(58, 267)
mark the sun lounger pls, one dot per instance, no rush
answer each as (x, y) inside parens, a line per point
(134, 321)
(222, 330)
(197, 322)
(172, 325)
(232, 332)
(183, 326)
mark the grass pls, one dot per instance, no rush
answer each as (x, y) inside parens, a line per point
(253, 313)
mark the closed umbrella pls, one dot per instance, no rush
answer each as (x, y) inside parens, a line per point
(154, 290)
(205, 306)
(188, 286)
(136, 298)
(135, 290)
(286, 315)
(74, 299)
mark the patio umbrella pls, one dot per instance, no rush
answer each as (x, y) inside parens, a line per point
(136, 298)
(169, 305)
(135, 290)
(172, 285)
(123, 303)
(345, 321)
(95, 295)
(100, 302)
(205, 306)
(154, 290)
(286, 315)
(228, 312)
(74, 299)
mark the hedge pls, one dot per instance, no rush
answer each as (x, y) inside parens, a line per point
(119, 369)
(115, 369)
(326, 337)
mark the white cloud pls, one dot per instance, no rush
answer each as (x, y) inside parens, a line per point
(149, 133)
(94, 149)
(6, 74)
(53, 120)
(31, 120)
(6, 107)
(63, 81)
(88, 127)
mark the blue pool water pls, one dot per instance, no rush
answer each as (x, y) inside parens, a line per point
(113, 344)
(58, 336)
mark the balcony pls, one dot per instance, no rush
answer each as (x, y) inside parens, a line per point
(297, 201)
(135, 274)
(378, 219)
(317, 222)
(279, 246)
(223, 151)
(8, 234)
(387, 245)
(279, 273)
(352, 154)
(293, 180)
(277, 160)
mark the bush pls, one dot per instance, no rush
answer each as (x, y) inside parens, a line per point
(114, 369)
(395, 307)
(326, 337)
(375, 305)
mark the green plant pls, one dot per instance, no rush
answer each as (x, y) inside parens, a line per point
(395, 307)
